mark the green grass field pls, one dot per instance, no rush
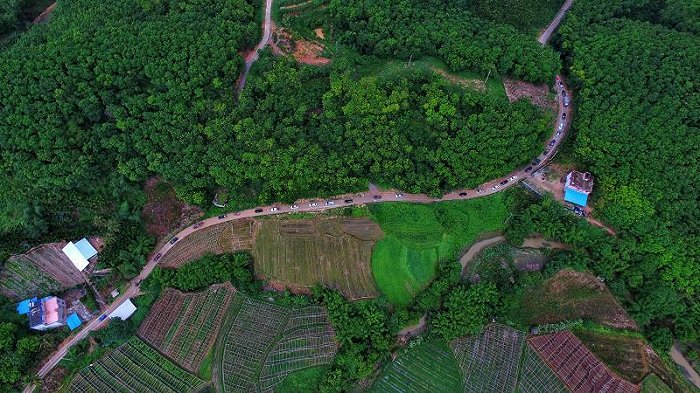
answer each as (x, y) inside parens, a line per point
(428, 367)
(417, 236)
(302, 381)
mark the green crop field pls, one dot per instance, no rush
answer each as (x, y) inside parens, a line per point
(262, 343)
(135, 367)
(535, 376)
(428, 367)
(654, 384)
(330, 250)
(417, 236)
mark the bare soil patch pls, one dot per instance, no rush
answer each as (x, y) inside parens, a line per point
(537, 94)
(52, 381)
(305, 52)
(164, 212)
(320, 33)
(474, 84)
(571, 295)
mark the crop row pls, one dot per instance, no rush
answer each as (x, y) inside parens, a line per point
(134, 367)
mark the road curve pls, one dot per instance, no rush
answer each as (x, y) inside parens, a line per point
(544, 37)
(253, 56)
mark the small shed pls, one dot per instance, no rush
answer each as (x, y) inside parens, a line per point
(26, 305)
(73, 321)
(124, 311)
(79, 253)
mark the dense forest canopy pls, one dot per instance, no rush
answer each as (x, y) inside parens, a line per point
(446, 29)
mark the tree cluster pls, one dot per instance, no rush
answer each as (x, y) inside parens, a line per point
(210, 269)
(407, 28)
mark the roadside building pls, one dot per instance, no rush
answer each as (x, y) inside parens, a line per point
(124, 311)
(73, 321)
(80, 253)
(577, 187)
(45, 313)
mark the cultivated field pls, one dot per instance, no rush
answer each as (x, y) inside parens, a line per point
(223, 238)
(577, 367)
(489, 361)
(625, 354)
(262, 343)
(535, 376)
(418, 236)
(570, 295)
(184, 326)
(654, 384)
(134, 367)
(41, 270)
(334, 251)
(428, 367)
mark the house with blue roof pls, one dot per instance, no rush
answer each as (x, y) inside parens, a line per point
(44, 313)
(577, 188)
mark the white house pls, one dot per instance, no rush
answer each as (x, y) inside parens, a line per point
(79, 253)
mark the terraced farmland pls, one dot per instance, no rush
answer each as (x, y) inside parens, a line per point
(536, 376)
(228, 237)
(262, 343)
(490, 360)
(41, 270)
(184, 326)
(333, 251)
(429, 367)
(135, 367)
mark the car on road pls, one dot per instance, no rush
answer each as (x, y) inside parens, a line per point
(377, 197)
(462, 194)
(558, 133)
(478, 190)
(197, 225)
(330, 202)
(561, 126)
(274, 209)
(528, 169)
(552, 143)
(294, 207)
(157, 257)
(563, 116)
(348, 201)
(504, 182)
(237, 213)
(496, 187)
(258, 210)
(399, 195)
(102, 317)
(221, 217)
(514, 177)
(563, 93)
(313, 203)
(173, 240)
(566, 101)
(545, 152)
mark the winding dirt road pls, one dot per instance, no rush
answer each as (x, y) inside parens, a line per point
(547, 33)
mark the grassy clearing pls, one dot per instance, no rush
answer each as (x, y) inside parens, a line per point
(654, 384)
(625, 353)
(331, 250)
(417, 236)
(428, 367)
(303, 381)
(568, 295)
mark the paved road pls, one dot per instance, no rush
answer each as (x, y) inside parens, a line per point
(254, 55)
(544, 37)
(687, 370)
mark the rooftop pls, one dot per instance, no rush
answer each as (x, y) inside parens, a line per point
(582, 181)
(73, 321)
(79, 253)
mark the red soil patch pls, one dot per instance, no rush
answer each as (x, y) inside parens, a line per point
(164, 212)
(537, 94)
(305, 52)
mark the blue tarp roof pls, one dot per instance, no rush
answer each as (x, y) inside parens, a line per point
(575, 197)
(24, 306)
(73, 321)
(86, 248)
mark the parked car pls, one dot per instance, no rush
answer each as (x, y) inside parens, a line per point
(496, 187)
(197, 225)
(528, 169)
(294, 207)
(377, 197)
(561, 126)
(566, 101)
(348, 201)
(552, 143)
(558, 133)
(258, 210)
(173, 240)
(462, 194)
(313, 203)
(563, 116)
(157, 257)
(274, 209)
(504, 182)
(330, 202)
(399, 195)
(514, 177)
(221, 217)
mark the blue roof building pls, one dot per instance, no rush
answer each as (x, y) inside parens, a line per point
(26, 305)
(578, 186)
(73, 321)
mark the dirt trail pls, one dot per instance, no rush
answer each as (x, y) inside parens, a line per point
(44, 16)
(688, 370)
(547, 33)
(477, 247)
(410, 331)
(253, 56)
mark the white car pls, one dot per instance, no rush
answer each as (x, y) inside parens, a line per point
(329, 202)
(561, 126)
(294, 207)
(514, 177)
(399, 195)
(274, 209)
(314, 203)
(496, 187)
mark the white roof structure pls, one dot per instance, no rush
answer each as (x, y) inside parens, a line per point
(124, 311)
(75, 256)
